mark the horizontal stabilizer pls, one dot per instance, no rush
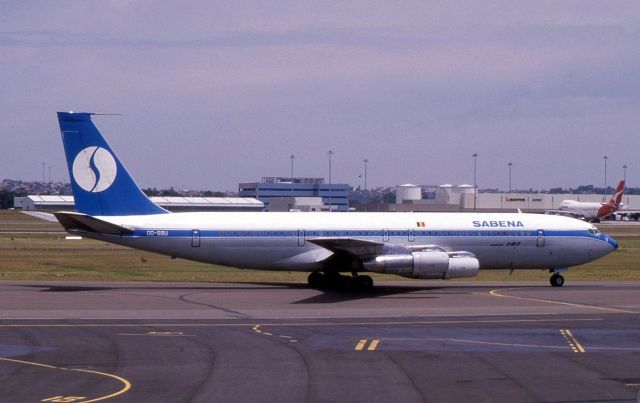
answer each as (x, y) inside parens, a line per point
(76, 222)
(42, 216)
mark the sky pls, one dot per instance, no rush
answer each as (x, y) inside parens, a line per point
(215, 93)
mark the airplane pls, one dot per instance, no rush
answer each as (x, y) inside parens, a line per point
(628, 213)
(111, 207)
(591, 211)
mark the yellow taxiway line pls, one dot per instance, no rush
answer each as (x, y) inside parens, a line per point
(360, 346)
(124, 389)
(573, 342)
(496, 293)
(302, 324)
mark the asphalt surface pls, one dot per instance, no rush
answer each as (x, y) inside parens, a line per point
(405, 342)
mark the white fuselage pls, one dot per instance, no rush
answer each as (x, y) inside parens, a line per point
(281, 241)
(588, 210)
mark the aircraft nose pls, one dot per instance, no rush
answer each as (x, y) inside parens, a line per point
(612, 242)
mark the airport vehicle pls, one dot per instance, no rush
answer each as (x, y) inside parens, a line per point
(111, 207)
(590, 211)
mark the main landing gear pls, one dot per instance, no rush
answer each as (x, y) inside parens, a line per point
(556, 279)
(337, 281)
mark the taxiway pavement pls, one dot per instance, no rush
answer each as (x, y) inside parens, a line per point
(405, 341)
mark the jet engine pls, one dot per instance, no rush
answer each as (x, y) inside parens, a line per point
(427, 265)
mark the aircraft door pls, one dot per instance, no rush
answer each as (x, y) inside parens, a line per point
(195, 238)
(385, 235)
(412, 235)
(301, 237)
(540, 238)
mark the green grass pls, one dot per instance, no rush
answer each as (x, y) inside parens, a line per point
(47, 257)
(33, 257)
(622, 264)
(14, 220)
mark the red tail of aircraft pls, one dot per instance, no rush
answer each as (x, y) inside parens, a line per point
(614, 204)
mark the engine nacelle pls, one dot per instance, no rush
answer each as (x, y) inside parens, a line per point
(427, 265)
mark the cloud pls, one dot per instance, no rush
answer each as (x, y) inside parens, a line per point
(239, 86)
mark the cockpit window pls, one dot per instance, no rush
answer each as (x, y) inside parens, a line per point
(594, 231)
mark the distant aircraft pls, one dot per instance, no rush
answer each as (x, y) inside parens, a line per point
(589, 211)
(626, 212)
(111, 207)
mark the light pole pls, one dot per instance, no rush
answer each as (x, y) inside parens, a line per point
(292, 157)
(330, 154)
(475, 183)
(366, 161)
(510, 164)
(624, 177)
(605, 178)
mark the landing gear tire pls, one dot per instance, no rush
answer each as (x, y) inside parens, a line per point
(333, 281)
(346, 283)
(363, 283)
(317, 280)
(338, 282)
(556, 280)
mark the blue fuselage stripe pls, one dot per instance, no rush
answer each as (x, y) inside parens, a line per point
(182, 233)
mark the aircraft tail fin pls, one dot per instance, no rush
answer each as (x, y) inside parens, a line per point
(616, 199)
(101, 184)
(614, 204)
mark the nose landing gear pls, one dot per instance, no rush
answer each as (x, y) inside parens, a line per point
(556, 279)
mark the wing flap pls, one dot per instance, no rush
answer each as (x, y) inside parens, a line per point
(354, 246)
(366, 249)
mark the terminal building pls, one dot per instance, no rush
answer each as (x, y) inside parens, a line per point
(304, 194)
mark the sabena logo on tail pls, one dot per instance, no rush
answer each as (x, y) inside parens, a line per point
(94, 169)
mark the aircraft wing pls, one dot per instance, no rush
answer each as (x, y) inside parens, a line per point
(356, 247)
(365, 249)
